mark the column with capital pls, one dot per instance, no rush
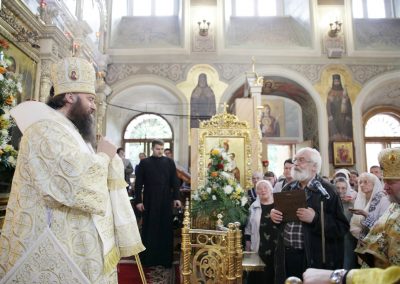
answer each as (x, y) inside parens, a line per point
(248, 109)
(45, 82)
(102, 91)
(52, 48)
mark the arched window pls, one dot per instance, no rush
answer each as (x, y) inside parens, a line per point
(382, 131)
(141, 131)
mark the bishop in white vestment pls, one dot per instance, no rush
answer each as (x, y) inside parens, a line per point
(62, 184)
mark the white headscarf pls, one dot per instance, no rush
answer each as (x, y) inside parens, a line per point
(345, 172)
(361, 202)
(361, 199)
(349, 190)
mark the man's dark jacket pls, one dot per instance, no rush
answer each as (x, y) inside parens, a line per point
(336, 226)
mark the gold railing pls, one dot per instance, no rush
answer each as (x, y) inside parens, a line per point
(211, 256)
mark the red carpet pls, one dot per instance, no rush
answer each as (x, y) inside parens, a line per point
(128, 273)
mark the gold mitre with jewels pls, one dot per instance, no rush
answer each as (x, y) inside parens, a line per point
(389, 160)
(73, 75)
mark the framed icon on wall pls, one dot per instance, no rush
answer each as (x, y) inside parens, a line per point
(343, 153)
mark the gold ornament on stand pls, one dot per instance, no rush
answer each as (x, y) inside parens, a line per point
(211, 256)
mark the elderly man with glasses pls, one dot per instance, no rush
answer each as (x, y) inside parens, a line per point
(380, 248)
(316, 238)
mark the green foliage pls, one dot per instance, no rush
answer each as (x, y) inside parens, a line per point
(10, 86)
(222, 194)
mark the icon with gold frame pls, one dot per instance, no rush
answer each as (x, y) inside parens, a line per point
(343, 153)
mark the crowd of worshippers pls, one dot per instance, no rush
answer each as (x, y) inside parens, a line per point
(351, 222)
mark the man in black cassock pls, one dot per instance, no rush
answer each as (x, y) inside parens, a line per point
(160, 185)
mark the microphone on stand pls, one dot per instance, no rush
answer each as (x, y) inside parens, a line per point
(316, 184)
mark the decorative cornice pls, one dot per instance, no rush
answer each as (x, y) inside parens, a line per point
(173, 72)
(18, 18)
(363, 73)
(24, 15)
(176, 72)
(311, 71)
(229, 71)
(11, 25)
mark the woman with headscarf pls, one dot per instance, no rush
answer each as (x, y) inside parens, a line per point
(345, 173)
(371, 202)
(261, 233)
(348, 196)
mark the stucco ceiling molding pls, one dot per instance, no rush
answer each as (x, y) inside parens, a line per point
(121, 86)
(363, 73)
(174, 72)
(228, 71)
(311, 71)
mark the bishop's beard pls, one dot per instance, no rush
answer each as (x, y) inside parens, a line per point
(83, 120)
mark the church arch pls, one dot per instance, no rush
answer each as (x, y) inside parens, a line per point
(382, 91)
(313, 98)
(148, 94)
(135, 80)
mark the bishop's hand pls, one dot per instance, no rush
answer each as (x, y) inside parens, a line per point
(105, 146)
